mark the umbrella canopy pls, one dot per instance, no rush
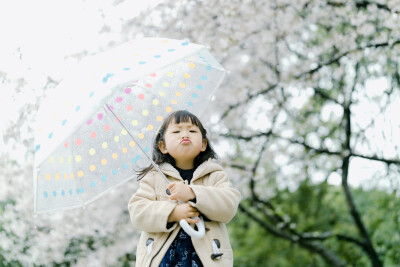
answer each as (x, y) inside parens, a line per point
(81, 148)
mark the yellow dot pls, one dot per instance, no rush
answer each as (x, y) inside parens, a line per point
(104, 145)
(131, 143)
(159, 118)
(182, 85)
(124, 150)
(116, 138)
(173, 101)
(114, 155)
(65, 176)
(150, 127)
(156, 102)
(168, 109)
(61, 160)
(178, 93)
(69, 160)
(51, 159)
(80, 174)
(145, 112)
(92, 168)
(141, 136)
(48, 177)
(103, 162)
(170, 74)
(78, 158)
(165, 84)
(72, 176)
(186, 75)
(134, 122)
(92, 151)
(161, 93)
(192, 65)
(57, 176)
(124, 132)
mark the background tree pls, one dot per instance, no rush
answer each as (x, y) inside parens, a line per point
(311, 97)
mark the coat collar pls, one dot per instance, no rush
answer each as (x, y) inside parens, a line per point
(203, 169)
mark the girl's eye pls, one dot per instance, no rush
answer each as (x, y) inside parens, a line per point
(193, 131)
(175, 132)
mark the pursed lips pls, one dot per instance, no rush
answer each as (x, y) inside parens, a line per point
(185, 141)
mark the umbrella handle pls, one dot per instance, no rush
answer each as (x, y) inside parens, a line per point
(190, 231)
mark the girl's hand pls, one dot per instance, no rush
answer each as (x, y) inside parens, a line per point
(184, 211)
(181, 191)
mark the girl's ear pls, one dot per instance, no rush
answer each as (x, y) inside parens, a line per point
(204, 145)
(162, 147)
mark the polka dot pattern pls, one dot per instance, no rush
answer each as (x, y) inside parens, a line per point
(100, 153)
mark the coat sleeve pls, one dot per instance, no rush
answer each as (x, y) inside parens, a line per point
(218, 200)
(146, 212)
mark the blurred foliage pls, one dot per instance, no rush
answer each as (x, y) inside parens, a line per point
(319, 209)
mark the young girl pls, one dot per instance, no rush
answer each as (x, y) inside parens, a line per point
(183, 153)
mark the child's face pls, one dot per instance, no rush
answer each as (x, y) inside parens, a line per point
(183, 142)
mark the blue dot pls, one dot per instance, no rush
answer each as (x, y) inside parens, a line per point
(124, 165)
(91, 94)
(54, 193)
(64, 122)
(134, 160)
(50, 135)
(209, 67)
(62, 192)
(37, 148)
(171, 50)
(77, 108)
(45, 194)
(104, 178)
(199, 86)
(157, 56)
(70, 191)
(190, 104)
(82, 190)
(185, 43)
(108, 75)
(126, 69)
(114, 172)
(203, 77)
(194, 95)
(138, 157)
(78, 191)
(142, 62)
(147, 149)
(93, 184)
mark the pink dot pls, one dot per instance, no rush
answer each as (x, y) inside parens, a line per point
(141, 96)
(78, 142)
(89, 122)
(93, 134)
(153, 75)
(148, 85)
(128, 90)
(100, 116)
(119, 99)
(107, 128)
(129, 107)
(66, 144)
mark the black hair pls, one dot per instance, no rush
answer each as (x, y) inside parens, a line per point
(158, 157)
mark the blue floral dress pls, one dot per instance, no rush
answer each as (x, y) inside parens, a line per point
(181, 252)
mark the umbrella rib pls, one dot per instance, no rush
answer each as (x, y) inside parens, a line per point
(138, 143)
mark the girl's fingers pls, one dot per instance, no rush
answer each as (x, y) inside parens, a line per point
(190, 220)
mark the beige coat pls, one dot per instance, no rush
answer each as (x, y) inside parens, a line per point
(150, 207)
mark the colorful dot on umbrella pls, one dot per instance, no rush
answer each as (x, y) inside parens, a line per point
(89, 121)
(92, 183)
(100, 116)
(170, 74)
(190, 104)
(78, 142)
(51, 160)
(129, 107)
(194, 95)
(93, 134)
(124, 165)
(159, 118)
(161, 93)
(182, 85)
(103, 162)
(116, 138)
(92, 168)
(78, 158)
(192, 65)
(104, 178)
(124, 150)
(131, 144)
(135, 123)
(178, 93)
(104, 145)
(124, 132)
(204, 77)
(128, 90)
(64, 122)
(156, 102)
(115, 172)
(80, 174)
(145, 112)
(106, 127)
(91, 94)
(92, 151)
(149, 85)
(57, 176)
(174, 101)
(186, 75)
(150, 127)
(199, 86)
(118, 99)
(61, 160)
(141, 96)
(50, 135)
(168, 109)
(77, 108)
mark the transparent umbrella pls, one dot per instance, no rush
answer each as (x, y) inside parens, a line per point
(97, 126)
